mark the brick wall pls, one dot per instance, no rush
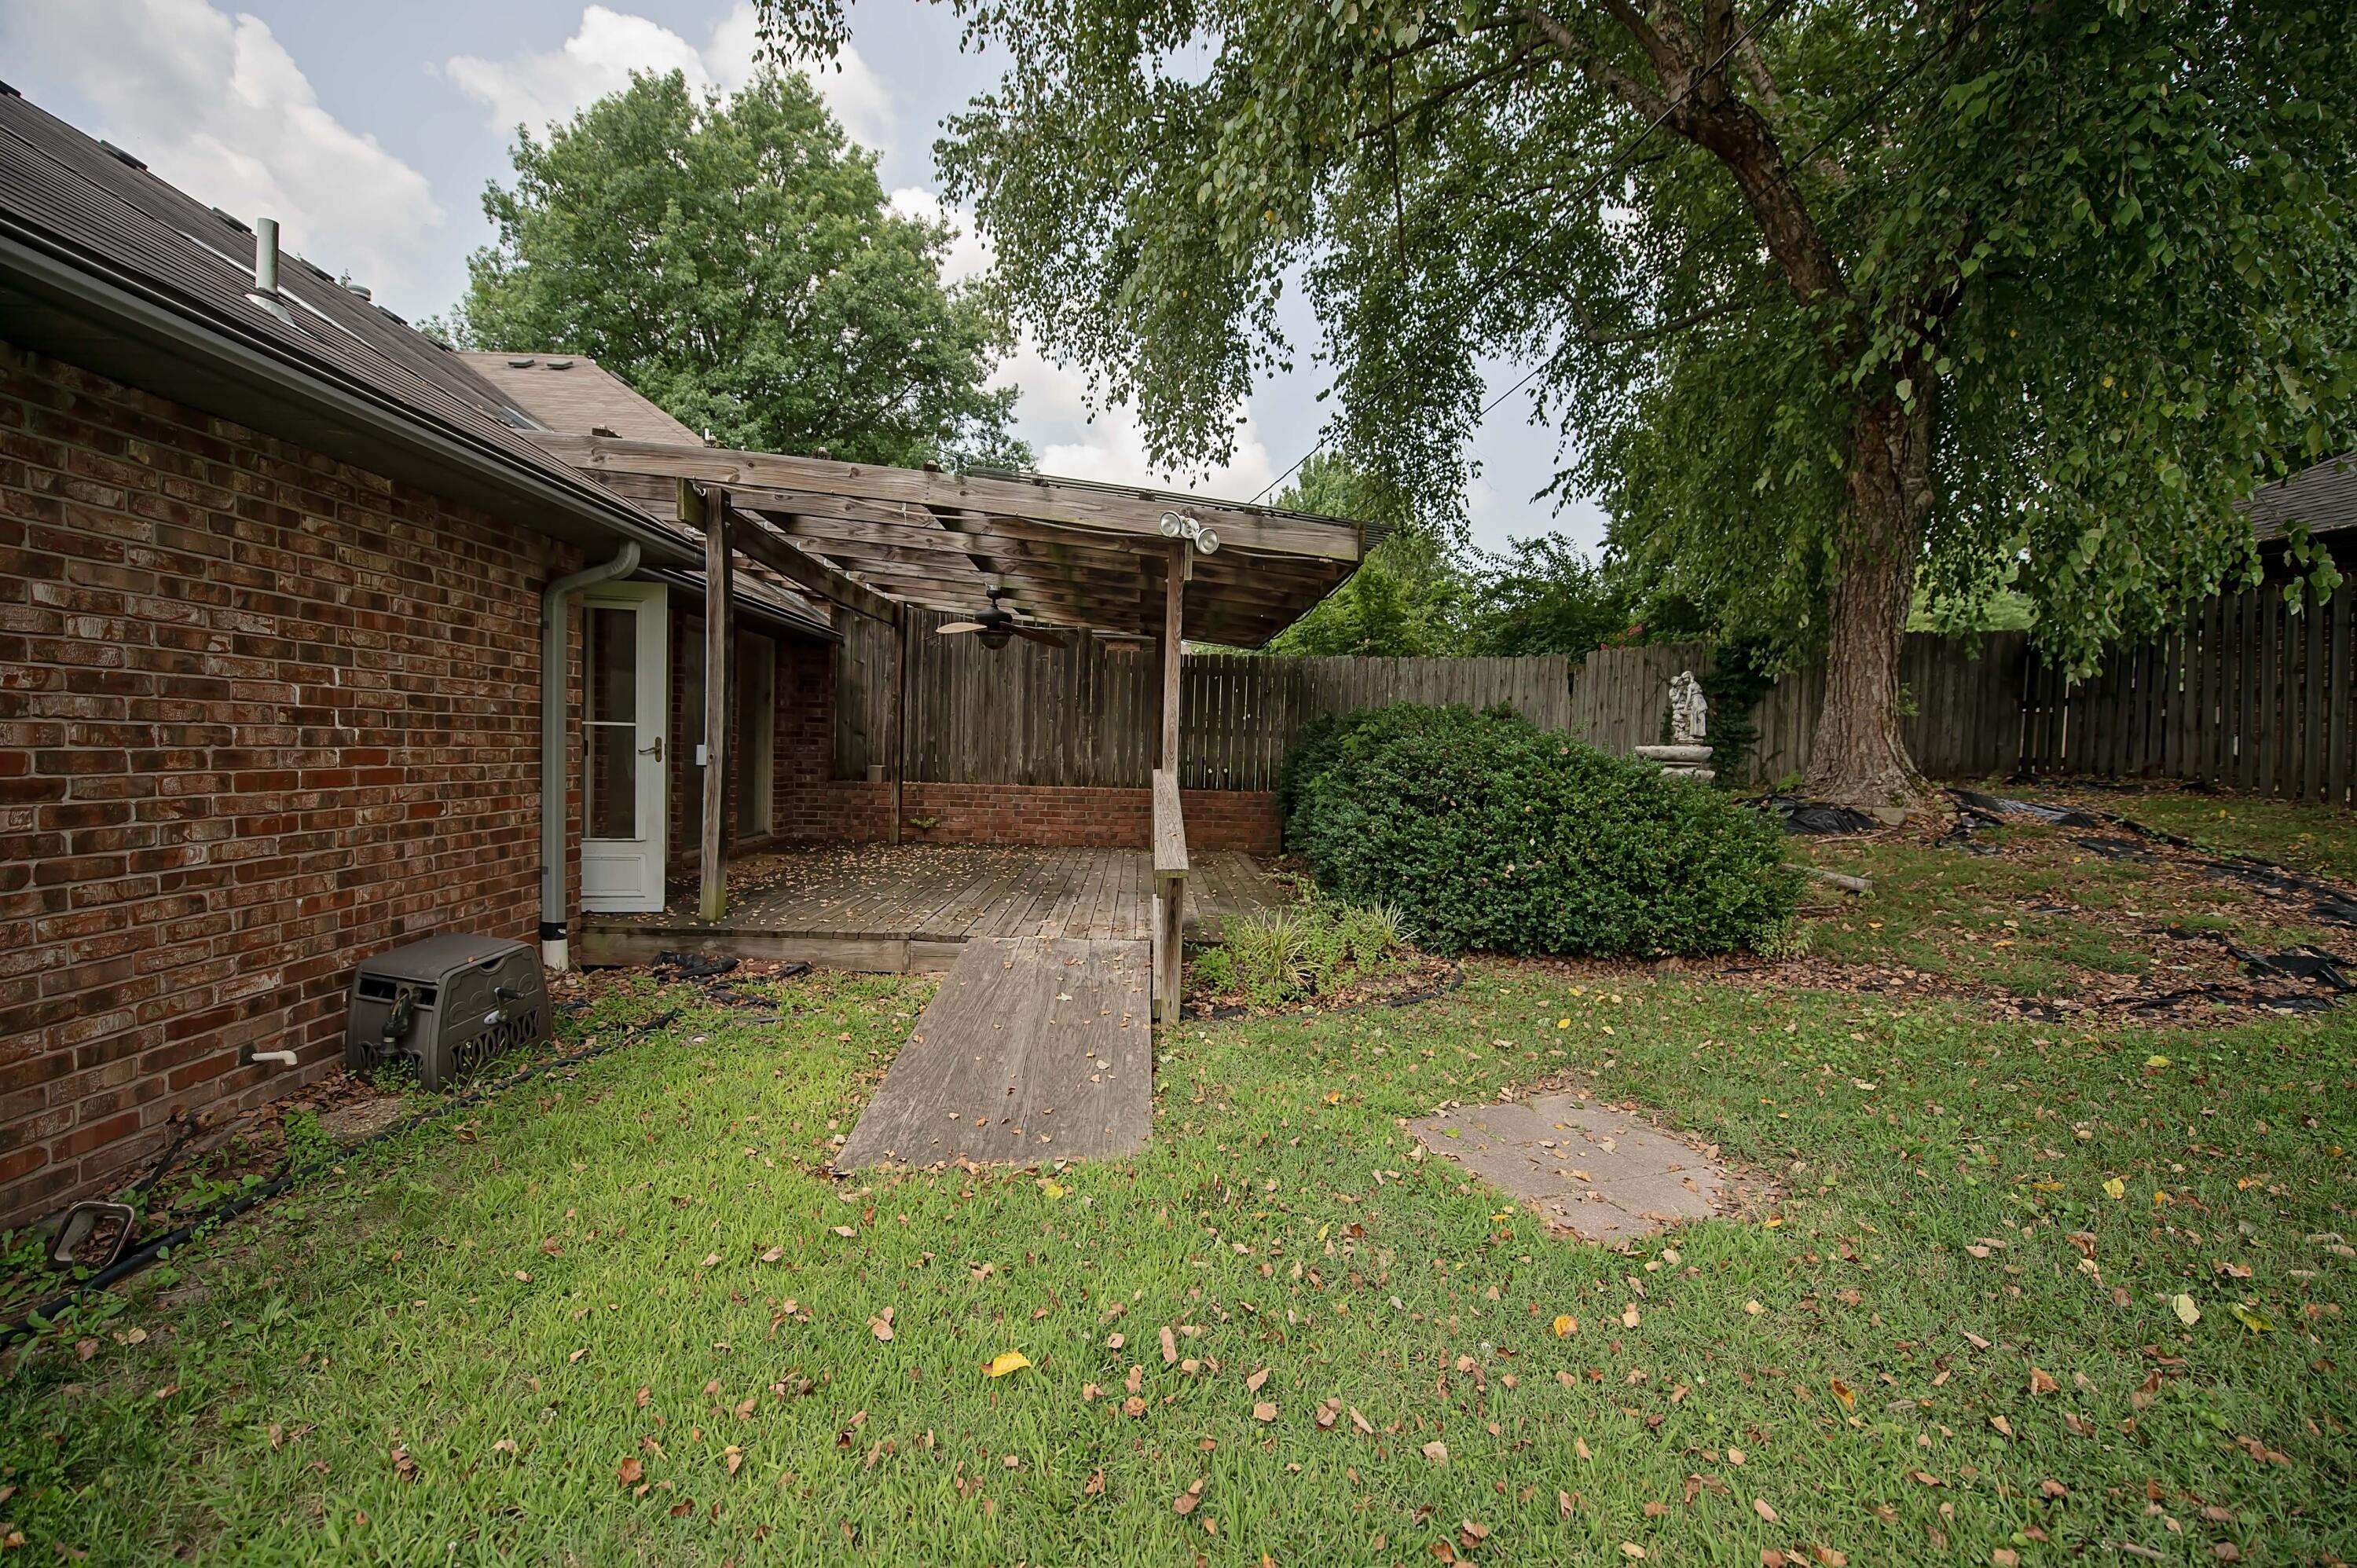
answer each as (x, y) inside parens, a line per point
(1051, 815)
(261, 714)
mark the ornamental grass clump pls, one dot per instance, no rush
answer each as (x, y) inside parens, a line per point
(1480, 829)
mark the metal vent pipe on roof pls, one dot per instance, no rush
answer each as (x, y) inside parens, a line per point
(265, 293)
(265, 255)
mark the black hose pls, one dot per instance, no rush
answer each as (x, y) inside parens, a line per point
(132, 1263)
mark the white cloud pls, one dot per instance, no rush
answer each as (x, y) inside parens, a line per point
(1068, 438)
(608, 46)
(217, 106)
(969, 254)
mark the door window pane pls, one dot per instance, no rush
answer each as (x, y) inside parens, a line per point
(612, 783)
(613, 659)
(609, 730)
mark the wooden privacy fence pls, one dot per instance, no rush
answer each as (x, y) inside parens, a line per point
(1085, 714)
(1967, 694)
(2249, 694)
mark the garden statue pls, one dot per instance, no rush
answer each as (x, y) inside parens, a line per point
(1689, 714)
(1688, 755)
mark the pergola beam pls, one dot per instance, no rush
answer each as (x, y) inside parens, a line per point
(759, 542)
(1109, 510)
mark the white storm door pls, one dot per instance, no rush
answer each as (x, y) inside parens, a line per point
(626, 679)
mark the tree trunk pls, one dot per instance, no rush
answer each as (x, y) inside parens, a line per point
(1860, 757)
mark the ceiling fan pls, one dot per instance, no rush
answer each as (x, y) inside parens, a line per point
(998, 625)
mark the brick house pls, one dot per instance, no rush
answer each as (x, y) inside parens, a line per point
(270, 567)
(317, 638)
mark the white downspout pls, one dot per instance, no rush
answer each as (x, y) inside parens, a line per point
(555, 949)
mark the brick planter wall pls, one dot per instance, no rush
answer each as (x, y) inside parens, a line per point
(1047, 815)
(261, 714)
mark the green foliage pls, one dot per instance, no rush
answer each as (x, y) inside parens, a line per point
(1489, 833)
(1809, 292)
(1543, 596)
(737, 264)
(1405, 598)
(1294, 950)
(1744, 673)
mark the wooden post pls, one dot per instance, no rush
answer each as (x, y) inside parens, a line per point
(1174, 603)
(900, 724)
(1169, 826)
(712, 511)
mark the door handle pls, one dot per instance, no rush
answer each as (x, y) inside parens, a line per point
(654, 751)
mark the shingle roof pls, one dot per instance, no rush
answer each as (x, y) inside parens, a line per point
(68, 198)
(2324, 498)
(106, 207)
(576, 393)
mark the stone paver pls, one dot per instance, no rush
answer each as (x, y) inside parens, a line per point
(1587, 1167)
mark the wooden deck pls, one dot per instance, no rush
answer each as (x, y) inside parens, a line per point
(892, 908)
(1034, 1049)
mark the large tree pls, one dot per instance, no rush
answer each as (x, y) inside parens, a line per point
(737, 261)
(1823, 295)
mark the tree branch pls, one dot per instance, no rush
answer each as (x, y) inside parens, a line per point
(1601, 74)
(1434, 100)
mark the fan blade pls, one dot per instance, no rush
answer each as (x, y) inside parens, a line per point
(1052, 638)
(950, 628)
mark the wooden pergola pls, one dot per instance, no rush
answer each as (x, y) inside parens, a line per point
(1059, 554)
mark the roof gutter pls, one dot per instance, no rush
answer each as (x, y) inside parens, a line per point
(94, 317)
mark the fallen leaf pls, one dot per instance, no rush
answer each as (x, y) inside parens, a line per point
(1436, 1452)
(1631, 1550)
(1844, 1392)
(881, 1325)
(2042, 1381)
(1264, 1411)
(1736, 1456)
(2115, 1187)
(710, 1260)
(1252, 1383)
(2186, 1313)
(1628, 1317)
(1185, 1502)
(1005, 1362)
(2256, 1322)
(628, 1471)
(733, 1455)
(1760, 1506)
(1565, 1325)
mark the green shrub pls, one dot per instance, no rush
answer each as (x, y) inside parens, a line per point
(1481, 830)
(1275, 956)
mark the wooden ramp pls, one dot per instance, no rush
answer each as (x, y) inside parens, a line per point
(1034, 1049)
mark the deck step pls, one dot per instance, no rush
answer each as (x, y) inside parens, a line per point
(1034, 1048)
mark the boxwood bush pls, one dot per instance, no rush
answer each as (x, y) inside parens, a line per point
(1487, 831)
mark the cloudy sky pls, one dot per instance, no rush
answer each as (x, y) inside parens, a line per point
(370, 131)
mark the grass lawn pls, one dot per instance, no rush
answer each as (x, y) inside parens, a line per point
(619, 1314)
